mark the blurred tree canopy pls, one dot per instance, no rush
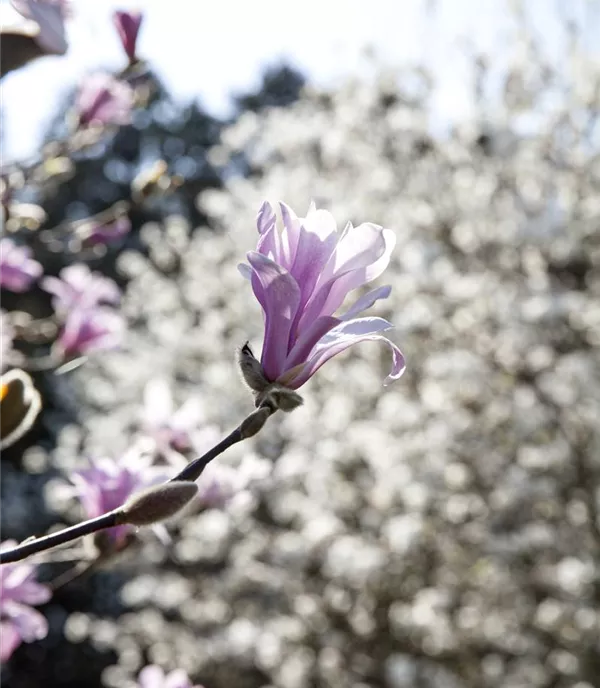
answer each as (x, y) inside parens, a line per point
(179, 134)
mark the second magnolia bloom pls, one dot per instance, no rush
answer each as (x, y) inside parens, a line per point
(301, 275)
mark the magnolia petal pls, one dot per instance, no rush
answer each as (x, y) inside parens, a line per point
(357, 248)
(87, 330)
(331, 295)
(30, 624)
(309, 339)
(280, 301)
(316, 240)
(265, 218)
(14, 577)
(342, 337)
(10, 639)
(357, 277)
(366, 301)
(367, 263)
(320, 222)
(14, 279)
(17, 269)
(288, 377)
(54, 286)
(289, 235)
(269, 242)
(78, 286)
(351, 328)
(257, 287)
(377, 268)
(31, 592)
(245, 271)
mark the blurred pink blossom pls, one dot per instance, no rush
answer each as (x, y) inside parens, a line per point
(107, 484)
(49, 17)
(152, 676)
(104, 100)
(17, 269)
(19, 592)
(128, 26)
(79, 287)
(90, 329)
(87, 326)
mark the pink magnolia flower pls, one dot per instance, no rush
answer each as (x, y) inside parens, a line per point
(104, 100)
(17, 269)
(107, 484)
(152, 676)
(19, 592)
(48, 16)
(79, 287)
(87, 326)
(301, 277)
(128, 26)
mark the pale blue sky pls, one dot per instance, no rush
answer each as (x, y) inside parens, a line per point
(208, 49)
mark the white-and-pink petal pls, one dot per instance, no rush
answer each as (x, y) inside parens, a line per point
(279, 294)
(366, 301)
(343, 336)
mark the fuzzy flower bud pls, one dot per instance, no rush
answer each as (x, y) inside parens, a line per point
(254, 422)
(157, 503)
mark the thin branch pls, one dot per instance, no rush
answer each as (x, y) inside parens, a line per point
(113, 518)
(194, 469)
(61, 537)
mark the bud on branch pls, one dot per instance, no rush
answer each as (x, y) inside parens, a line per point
(157, 503)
